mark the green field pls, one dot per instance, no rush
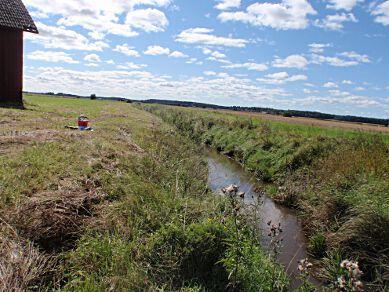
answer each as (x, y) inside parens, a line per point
(127, 208)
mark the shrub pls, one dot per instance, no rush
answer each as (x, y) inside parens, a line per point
(317, 245)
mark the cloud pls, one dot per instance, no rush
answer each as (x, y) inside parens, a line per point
(127, 50)
(178, 54)
(343, 97)
(357, 57)
(310, 91)
(52, 37)
(49, 56)
(336, 21)
(347, 82)
(204, 36)
(209, 73)
(332, 61)
(330, 85)
(249, 66)
(93, 58)
(131, 66)
(382, 13)
(347, 5)
(292, 61)
(145, 85)
(228, 4)
(218, 55)
(288, 14)
(156, 51)
(117, 17)
(149, 20)
(318, 48)
(281, 78)
(345, 59)
(212, 74)
(194, 61)
(214, 54)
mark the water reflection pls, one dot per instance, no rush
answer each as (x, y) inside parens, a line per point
(223, 172)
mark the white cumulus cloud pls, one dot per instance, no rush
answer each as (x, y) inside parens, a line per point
(117, 17)
(205, 36)
(330, 85)
(281, 78)
(336, 21)
(156, 51)
(228, 4)
(347, 5)
(53, 37)
(50, 56)
(381, 12)
(249, 66)
(318, 48)
(178, 54)
(288, 14)
(93, 58)
(292, 61)
(127, 50)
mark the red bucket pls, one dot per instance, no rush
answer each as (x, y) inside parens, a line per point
(83, 123)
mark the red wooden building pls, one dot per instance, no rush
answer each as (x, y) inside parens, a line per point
(14, 20)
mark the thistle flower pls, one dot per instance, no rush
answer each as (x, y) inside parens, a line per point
(358, 285)
(350, 280)
(304, 265)
(341, 282)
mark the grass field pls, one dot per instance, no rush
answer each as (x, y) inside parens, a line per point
(337, 125)
(337, 179)
(306, 127)
(123, 208)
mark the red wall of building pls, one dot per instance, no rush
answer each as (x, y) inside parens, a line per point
(11, 67)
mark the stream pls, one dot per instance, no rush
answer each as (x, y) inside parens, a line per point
(224, 172)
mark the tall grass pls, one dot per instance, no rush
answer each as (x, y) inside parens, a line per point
(123, 208)
(338, 180)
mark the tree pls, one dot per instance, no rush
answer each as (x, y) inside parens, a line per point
(93, 96)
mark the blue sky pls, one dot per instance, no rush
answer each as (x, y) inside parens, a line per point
(325, 55)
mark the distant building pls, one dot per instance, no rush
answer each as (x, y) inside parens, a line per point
(14, 20)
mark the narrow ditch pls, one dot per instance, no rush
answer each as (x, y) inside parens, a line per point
(223, 172)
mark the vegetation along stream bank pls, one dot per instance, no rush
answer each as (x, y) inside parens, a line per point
(337, 180)
(127, 207)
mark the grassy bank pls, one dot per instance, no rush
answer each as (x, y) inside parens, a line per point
(337, 179)
(125, 207)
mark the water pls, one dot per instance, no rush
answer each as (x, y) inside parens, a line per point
(224, 172)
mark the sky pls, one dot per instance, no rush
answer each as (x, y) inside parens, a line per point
(324, 55)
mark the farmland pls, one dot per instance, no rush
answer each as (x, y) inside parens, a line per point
(348, 126)
(127, 207)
